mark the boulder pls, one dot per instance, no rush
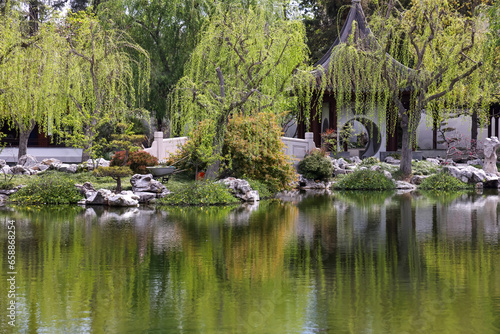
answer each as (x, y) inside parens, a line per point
(19, 170)
(342, 163)
(6, 170)
(417, 179)
(355, 159)
(67, 168)
(477, 162)
(40, 167)
(312, 184)
(125, 198)
(98, 197)
(85, 188)
(146, 183)
(388, 175)
(3, 163)
(402, 185)
(27, 161)
(470, 174)
(51, 161)
(490, 156)
(92, 164)
(241, 189)
(145, 197)
(392, 161)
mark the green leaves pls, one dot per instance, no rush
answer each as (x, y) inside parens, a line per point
(50, 188)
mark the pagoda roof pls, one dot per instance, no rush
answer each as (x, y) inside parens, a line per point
(355, 24)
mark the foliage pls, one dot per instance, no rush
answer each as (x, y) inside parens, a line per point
(316, 166)
(253, 149)
(200, 193)
(440, 65)
(31, 83)
(243, 63)
(424, 168)
(262, 188)
(48, 188)
(196, 153)
(364, 199)
(364, 180)
(115, 172)
(104, 82)
(370, 161)
(443, 181)
(139, 160)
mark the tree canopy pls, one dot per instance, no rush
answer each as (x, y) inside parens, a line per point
(243, 63)
(428, 58)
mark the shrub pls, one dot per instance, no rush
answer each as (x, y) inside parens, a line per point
(197, 152)
(424, 168)
(364, 180)
(200, 193)
(137, 161)
(262, 188)
(370, 161)
(443, 181)
(316, 166)
(49, 188)
(115, 172)
(254, 150)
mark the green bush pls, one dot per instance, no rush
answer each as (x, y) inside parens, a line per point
(262, 188)
(370, 161)
(364, 180)
(424, 168)
(49, 188)
(200, 193)
(443, 181)
(316, 166)
(252, 150)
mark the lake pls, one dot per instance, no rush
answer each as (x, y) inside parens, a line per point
(313, 263)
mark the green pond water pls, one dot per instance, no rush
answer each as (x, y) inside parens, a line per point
(340, 263)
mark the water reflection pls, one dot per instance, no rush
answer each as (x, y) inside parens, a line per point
(345, 262)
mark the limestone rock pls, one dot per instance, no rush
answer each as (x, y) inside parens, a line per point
(355, 160)
(19, 170)
(6, 170)
(388, 175)
(490, 156)
(312, 184)
(85, 188)
(402, 185)
(91, 165)
(3, 163)
(241, 189)
(145, 197)
(52, 163)
(125, 198)
(417, 179)
(98, 197)
(392, 161)
(68, 168)
(27, 161)
(146, 183)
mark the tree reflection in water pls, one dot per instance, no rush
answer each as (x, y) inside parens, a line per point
(346, 262)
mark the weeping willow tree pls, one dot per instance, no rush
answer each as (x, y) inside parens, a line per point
(428, 59)
(30, 77)
(243, 64)
(105, 81)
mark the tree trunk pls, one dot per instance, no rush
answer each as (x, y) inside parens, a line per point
(409, 126)
(24, 134)
(218, 145)
(473, 131)
(406, 150)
